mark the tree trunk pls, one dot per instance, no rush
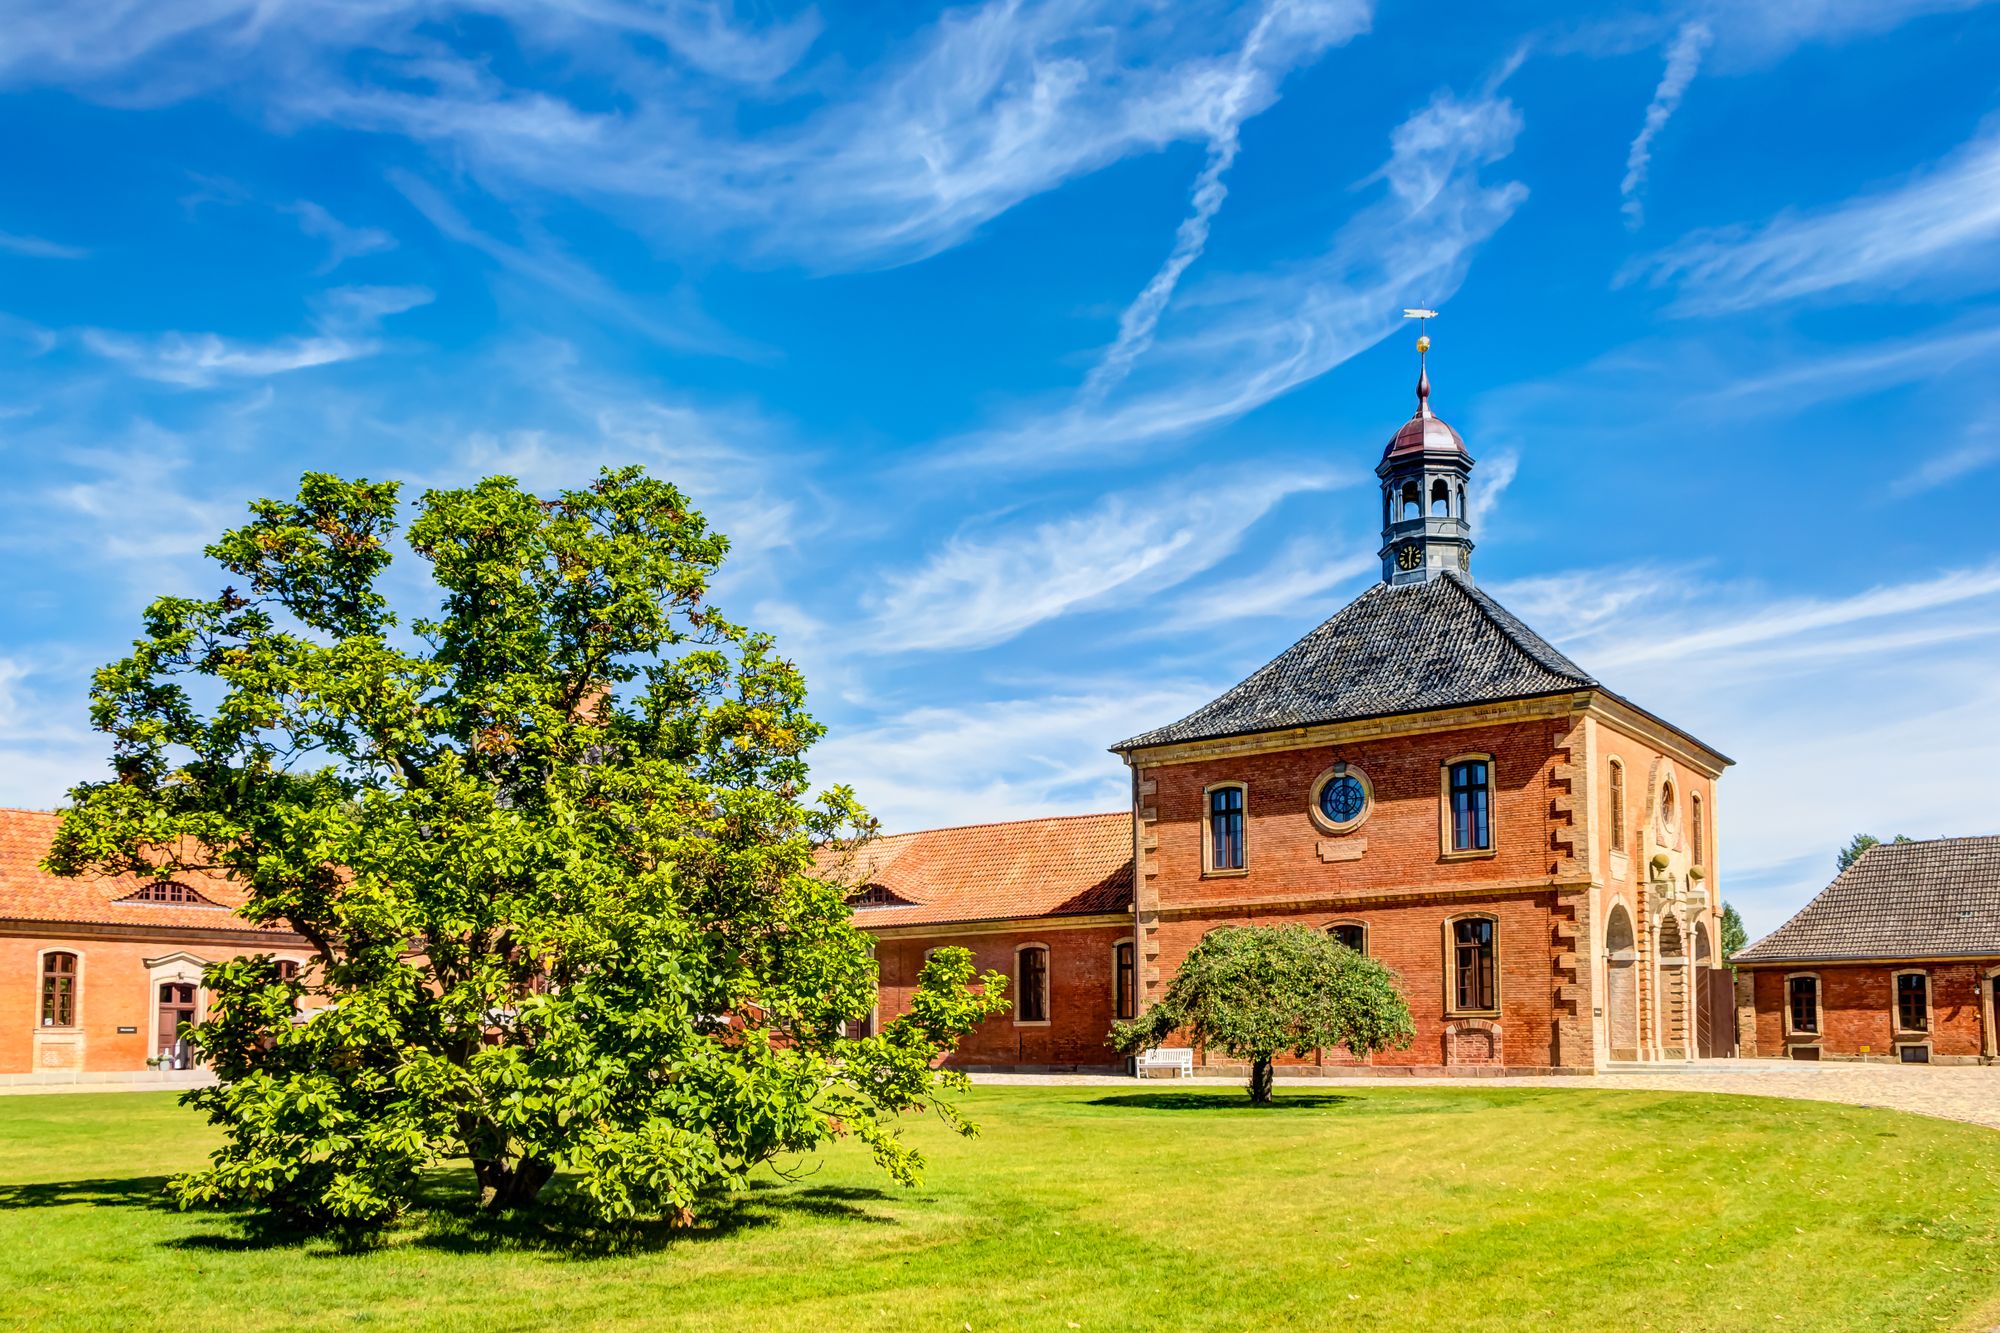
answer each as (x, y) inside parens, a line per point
(510, 1183)
(1261, 1081)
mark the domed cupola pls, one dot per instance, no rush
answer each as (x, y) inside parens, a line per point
(1425, 529)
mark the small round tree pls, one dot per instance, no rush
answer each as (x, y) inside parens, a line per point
(1256, 991)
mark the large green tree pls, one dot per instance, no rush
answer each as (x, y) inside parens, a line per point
(1254, 992)
(552, 842)
(1734, 937)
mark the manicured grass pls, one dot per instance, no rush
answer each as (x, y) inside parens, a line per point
(1108, 1208)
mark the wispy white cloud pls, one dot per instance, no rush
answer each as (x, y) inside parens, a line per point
(682, 324)
(1875, 710)
(1247, 90)
(1246, 342)
(1790, 618)
(1756, 35)
(989, 105)
(1973, 455)
(34, 247)
(1683, 59)
(979, 591)
(346, 320)
(1940, 222)
(1010, 758)
(343, 242)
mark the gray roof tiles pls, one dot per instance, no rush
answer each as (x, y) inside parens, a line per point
(1934, 899)
(1437, 644)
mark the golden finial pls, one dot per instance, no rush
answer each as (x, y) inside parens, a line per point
(1423, 317)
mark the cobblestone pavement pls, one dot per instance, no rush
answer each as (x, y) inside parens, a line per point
(1970, 1093)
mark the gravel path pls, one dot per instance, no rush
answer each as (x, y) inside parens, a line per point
(1960, 1092)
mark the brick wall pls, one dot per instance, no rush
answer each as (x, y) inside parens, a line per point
(1858, 1009)
(115, 990)
(1296, 871)
(1408, 937)
(1399, 842)
(1080, 980)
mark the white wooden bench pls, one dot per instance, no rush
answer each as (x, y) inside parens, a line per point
(1180, 1059)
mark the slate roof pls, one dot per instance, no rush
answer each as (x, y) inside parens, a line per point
(1437, 644)
(1070, 865)
(1934, 899)
(29, 893)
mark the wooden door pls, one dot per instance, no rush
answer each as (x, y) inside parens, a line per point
(176, 1009)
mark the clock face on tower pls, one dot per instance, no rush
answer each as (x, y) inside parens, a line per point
(1409, 556)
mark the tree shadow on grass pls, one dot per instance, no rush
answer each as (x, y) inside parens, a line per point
(1222, 1100)
(444, 1218)
(129, 1192)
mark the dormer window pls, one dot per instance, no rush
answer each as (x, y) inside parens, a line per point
(877, 896)
(166, 891)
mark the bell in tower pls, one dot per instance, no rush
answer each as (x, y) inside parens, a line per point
(1425, 531)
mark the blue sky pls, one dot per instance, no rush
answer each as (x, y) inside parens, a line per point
(1036, 354)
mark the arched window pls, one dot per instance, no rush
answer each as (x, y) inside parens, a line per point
(1473, 977)
(1440, 499)
(58, 990)
(1350, 933)
(1031, 984)
(1413, 501)
(1224, 830)
(1617, 806)
(1388, 503)
(1619, 941)
(1124, 990)
(1696, 831)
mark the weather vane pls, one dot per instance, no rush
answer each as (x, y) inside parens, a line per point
(1422, 317)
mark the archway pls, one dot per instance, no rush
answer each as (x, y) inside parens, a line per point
(1673, 990)
(1621, 985)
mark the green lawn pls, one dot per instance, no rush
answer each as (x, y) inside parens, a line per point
(1104, 1208)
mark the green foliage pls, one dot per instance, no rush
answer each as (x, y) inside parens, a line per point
(1734, 936)
(1860, 843)
(553, 846)
(1254, 992)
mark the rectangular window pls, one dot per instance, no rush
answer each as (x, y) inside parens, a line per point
(1225, 828)
(1032, 986)
(1617, 806)
(1471, 806)
(1352, 935)
(1472, 963)
(58, 990)
(1802, 993)
(1121, 985)
(1913, 1002)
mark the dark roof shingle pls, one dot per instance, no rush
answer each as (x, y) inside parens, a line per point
(1934, 899)
(1437, 644)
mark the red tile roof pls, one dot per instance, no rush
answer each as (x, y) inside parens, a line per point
(1068, 865)
(29, 893)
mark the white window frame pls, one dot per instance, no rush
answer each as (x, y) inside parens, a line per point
(1492, 847)
(1209, 869)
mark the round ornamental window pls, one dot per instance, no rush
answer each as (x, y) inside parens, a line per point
(1342, 800)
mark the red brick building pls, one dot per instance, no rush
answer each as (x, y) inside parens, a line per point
(1896, 960)
(1533, 854)
(1423, 774)
(100, 973)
